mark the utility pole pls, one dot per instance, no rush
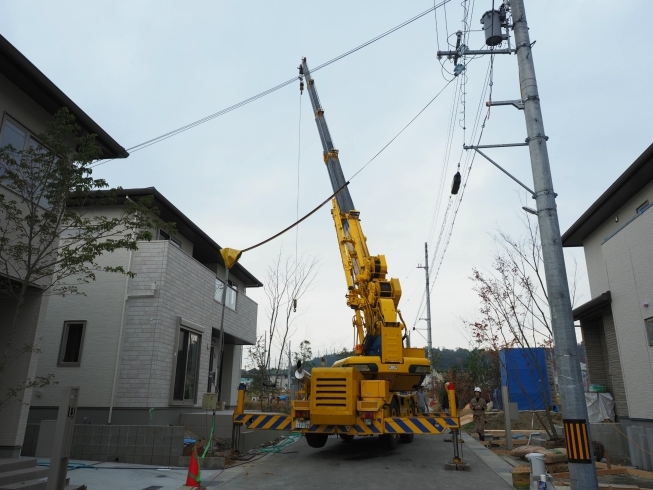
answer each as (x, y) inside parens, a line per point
(583, 476)
(428, 309)
(582, 469)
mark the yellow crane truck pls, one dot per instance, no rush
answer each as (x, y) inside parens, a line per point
(372, 392)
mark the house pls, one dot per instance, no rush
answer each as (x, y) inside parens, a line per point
(616, 234)
(28, 100)
(143, 350)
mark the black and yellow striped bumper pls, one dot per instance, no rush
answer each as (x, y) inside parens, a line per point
(389, 425)
(264, 421)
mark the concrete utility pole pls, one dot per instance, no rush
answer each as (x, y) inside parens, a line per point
(574, 409)
(428, 307)
(582, 469)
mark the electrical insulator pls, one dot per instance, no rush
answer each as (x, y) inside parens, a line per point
(455, 186)
(294, 305)
(301, 87)
(458, 69)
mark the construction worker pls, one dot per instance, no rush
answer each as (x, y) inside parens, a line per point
(478, 406)
(421, 399)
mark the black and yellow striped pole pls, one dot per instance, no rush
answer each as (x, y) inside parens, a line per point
(577, 441)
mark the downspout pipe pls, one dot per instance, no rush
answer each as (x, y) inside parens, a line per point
(119, 350)
(122, 328)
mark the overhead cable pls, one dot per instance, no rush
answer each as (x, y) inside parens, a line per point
(296, 223)
(402, 130)
(210, 117)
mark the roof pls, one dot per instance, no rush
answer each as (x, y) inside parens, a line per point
(205, 250)
(633, 180)
(21, 72)
(593, 306)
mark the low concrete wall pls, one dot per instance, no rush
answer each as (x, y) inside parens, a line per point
(200, 423)
(156, 445)
(607, 433)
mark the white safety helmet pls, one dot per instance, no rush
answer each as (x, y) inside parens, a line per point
(477, 389)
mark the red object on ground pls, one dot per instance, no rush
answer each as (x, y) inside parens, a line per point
(193, 478)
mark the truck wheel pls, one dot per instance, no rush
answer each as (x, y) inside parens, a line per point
(317, 440)
(346, 437)
(391, 441)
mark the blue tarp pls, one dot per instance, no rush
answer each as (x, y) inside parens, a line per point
(524, 372)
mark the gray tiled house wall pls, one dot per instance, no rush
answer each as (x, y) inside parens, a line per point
(144, 374)
(185, 288)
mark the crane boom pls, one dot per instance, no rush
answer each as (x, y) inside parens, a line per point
(330, 153)
(372, 296)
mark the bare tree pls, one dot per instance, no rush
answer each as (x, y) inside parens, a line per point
(288, 279)
(514, 306)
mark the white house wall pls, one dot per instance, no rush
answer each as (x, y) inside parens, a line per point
(629, 266)
(596, 262)
(101, 308)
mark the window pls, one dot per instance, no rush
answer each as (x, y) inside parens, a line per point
(231, 295)
(13, 135)
(166, 236)
(72, 340)
(187, 368)
(649, 330)
(642, 207)
(20, 139)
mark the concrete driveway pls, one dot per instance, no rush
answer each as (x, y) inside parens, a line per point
(362, 464)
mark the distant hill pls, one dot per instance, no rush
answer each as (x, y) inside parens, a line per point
(446, 358)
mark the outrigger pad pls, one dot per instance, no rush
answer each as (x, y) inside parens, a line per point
(451, 466)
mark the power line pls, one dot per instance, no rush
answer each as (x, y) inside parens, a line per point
(210, 117)
(296, 223)
(454, 204)
(488, 87)
(402, 130)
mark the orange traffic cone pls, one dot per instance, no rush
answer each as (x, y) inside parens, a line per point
(193, 479)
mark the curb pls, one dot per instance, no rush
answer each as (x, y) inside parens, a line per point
(500, 467)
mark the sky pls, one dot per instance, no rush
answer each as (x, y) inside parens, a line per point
(143, 68)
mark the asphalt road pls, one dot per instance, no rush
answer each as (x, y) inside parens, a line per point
(363, 464)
